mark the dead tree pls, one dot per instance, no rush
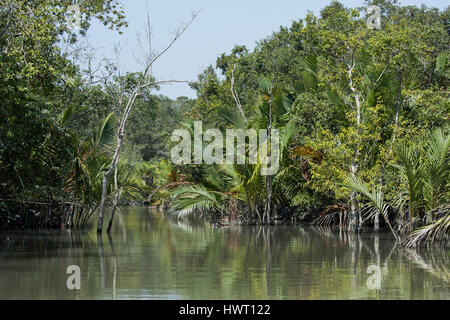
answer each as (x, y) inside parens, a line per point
(146, 81)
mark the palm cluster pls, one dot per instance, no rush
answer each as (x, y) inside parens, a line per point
(238, 192)
(420, 203)
(90, 161)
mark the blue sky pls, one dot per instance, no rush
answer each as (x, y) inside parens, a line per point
(220, 26)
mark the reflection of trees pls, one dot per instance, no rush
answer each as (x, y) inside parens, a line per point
(114, 262)
(150, 255)
(428, 261)
(34, 264)
(294, 262)
(394, 267)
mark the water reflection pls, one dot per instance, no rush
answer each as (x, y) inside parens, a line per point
(153, 256)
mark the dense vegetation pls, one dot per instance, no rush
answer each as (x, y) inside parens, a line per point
(362, 114)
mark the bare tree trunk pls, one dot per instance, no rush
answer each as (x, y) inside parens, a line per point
(399, 103)
(376, 222)
(355, 218)
(120, 136)
(115, 200)
(235, 96)
(257, 212)
(106, 178)
(145, 82)
(353, 223)
(269, 198)
(269, 152)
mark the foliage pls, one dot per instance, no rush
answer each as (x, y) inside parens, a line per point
(355, 108)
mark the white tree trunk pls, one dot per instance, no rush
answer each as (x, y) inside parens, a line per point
(355, 218)
(235, 96)
(145, 82)
(115, 200)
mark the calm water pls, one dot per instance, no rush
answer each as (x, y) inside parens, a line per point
(153, 256)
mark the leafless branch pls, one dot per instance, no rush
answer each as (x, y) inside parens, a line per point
(178, 34)
(235, 96)
(145, 82)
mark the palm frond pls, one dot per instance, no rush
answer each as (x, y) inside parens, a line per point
(188, 198)
(234, 118)
(437, 230)
(103, 136)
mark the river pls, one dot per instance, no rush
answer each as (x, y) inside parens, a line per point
(151, 255)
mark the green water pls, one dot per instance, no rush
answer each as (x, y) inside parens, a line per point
(153, 256)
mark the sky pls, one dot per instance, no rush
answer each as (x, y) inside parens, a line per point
(219, 26)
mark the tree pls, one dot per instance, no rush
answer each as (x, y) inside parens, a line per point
(125, 102)
(35, 75)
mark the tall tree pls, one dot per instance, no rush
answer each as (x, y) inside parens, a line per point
(125, 101)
